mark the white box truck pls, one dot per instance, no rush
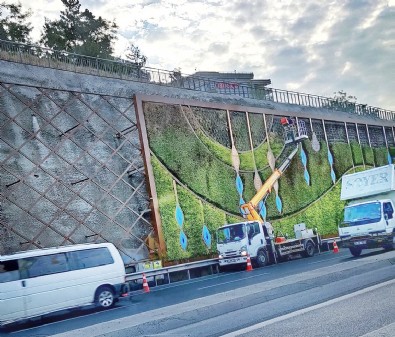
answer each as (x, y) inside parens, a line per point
(368, 220)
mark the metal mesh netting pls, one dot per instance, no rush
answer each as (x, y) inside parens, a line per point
(336, 132)
(71, 171)
(377, 137)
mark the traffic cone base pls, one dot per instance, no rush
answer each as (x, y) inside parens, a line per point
(249, 266)
(145, 284)
(335, 247)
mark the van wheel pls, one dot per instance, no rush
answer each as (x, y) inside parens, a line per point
(309, 249)
(261, 258)
(355, 251)
(105, 297)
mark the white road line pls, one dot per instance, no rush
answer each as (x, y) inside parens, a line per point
(240, 281)
(302, 311)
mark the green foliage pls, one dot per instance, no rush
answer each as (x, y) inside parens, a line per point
(196, 214)
(294, 192)
(342, 158)
(135, 56)
(204, 166)
(380, 156)
(357, 153)
(391, 150)
(368, 155)
(195, 166)
(80, 32)
(213, 218)
(167, 206)
(343, 102)
(246, 159)
(276, 145)
(324, 215)
(193, 223)
(233, 218)
(13, 23)
(220, 151)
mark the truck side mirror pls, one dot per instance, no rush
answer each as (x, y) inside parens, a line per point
(386, 216)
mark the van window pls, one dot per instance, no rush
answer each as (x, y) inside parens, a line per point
(43, 265)
(9, 271)
(90, 258)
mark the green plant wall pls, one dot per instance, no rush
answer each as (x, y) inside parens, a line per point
(205, 180)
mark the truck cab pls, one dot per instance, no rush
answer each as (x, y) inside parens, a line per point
(236, 241)
(368, 220)
(368, 225)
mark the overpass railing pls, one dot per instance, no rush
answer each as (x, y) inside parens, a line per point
(118, 68)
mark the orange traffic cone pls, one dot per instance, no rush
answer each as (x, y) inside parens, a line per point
(335, 247)
(145, 284)
(249, 266)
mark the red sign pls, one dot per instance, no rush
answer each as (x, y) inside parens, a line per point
(224, 85)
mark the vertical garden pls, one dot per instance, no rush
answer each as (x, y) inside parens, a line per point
(207, 161)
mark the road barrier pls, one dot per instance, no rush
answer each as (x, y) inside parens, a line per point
(190, 270)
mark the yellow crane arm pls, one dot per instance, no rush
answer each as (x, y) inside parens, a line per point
(249, 208)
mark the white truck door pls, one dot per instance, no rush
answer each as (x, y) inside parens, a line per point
(256, 238)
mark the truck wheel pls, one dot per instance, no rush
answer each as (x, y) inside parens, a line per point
(309, 250)
(355, 251)
(261, 258)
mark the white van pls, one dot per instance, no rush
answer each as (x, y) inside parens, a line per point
(42, 281)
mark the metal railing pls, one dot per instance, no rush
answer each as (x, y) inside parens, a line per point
(155, 274)
(117, 68)
(167, 271)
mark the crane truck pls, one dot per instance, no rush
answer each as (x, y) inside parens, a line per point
(368, 220)
(255, 237)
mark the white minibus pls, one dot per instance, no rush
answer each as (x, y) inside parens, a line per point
(38, 282)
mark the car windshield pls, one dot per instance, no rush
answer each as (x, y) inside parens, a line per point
(231, 233)
(362, 214)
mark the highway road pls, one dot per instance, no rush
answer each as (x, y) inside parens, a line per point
(326, 295)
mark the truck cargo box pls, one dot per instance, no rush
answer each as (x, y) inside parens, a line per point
(368, 183)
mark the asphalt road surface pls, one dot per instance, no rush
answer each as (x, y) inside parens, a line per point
(326, 295)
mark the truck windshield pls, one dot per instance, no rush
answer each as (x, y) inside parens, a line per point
(231, 233)
(362, 214)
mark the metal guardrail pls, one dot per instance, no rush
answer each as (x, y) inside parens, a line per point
(186, 267)
(45, 57)
(172, 269)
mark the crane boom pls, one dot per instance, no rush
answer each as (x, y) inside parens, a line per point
(249, 208)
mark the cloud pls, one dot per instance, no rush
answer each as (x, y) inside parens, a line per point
(316, 47)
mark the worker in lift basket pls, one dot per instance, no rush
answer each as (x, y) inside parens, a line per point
(289, 126)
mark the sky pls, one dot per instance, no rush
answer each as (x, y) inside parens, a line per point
(310, 46)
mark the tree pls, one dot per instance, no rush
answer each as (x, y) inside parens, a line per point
(341, 97)
(80, 32)
(342, 101)
(13, 24)
(134, 55)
